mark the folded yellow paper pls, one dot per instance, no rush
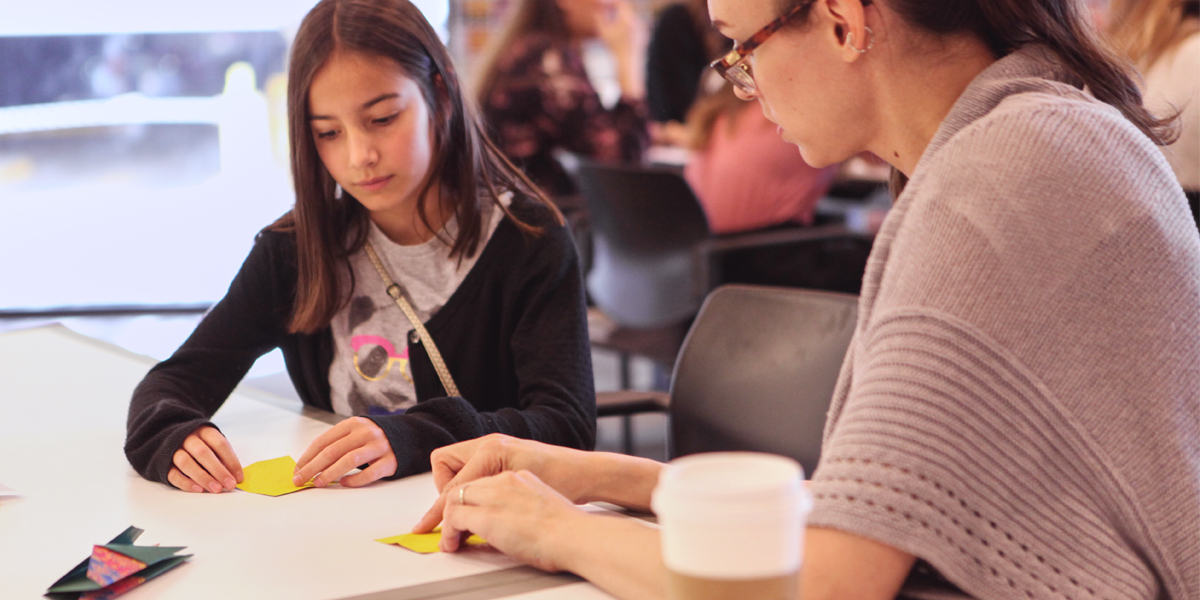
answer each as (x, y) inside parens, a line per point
(271, 477)
(425, 543)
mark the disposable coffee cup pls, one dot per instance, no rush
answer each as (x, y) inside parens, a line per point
(732, 526)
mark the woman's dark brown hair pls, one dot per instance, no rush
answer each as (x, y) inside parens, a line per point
(1060, 25)
(467, 170)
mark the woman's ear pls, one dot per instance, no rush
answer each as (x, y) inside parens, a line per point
(845, 20)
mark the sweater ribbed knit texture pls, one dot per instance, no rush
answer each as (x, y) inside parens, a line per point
(1020, 406)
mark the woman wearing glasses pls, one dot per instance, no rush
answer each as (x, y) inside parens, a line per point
(1018, 415)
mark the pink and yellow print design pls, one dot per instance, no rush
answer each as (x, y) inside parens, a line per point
(374, 357)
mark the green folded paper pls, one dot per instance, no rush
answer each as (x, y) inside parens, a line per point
(116, 568)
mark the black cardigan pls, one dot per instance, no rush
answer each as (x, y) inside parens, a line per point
(514, 336)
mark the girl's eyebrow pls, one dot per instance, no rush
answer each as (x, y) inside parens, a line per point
(366, 105)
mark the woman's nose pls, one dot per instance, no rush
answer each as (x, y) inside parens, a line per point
(744, 94)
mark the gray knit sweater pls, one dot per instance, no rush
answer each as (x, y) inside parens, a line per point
(1020, 406)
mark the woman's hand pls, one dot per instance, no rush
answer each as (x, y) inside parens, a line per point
(353, 442)
(205, 462)
(496, 453)
(515, 512)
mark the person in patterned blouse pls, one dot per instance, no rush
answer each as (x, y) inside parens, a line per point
(536, 96)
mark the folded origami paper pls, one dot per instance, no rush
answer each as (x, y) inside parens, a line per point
(425, 543)
(271, 477)
(116, 568)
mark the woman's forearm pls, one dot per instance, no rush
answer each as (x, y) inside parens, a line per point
(619, 479)
(618, 554)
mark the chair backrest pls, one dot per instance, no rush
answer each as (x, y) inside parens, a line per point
(757, 371)
(648, 268)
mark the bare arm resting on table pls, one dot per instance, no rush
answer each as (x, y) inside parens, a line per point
(521, 496)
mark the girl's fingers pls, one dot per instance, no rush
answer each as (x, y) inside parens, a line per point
(179, 480)
(318, 467)
(377, 470)
(224, 451)
(192, 470)
(352, 455)
(330, 436)
(199, 450)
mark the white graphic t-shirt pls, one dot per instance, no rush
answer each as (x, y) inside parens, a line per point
(370, 374)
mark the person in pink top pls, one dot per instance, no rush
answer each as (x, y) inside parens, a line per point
(745, 176)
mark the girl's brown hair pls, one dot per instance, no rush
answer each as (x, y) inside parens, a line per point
(466, 170)
(525, 18)
(1145, 29)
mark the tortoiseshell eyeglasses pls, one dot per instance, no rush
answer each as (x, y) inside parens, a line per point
(735, 65)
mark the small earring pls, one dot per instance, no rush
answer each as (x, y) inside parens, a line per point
(870, 40)
(337, 191)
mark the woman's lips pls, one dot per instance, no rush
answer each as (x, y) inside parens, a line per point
(372, 185)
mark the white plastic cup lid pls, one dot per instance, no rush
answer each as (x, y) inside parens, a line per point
(732, 514)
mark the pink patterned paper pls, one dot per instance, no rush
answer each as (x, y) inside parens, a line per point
(107, 567)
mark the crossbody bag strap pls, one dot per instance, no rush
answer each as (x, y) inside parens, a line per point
(393, 290)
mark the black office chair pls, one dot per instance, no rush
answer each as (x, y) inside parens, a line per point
(654, 259)
(757, 371)
(654, 256)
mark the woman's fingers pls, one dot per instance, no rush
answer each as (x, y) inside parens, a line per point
(179, 480)
(433, 516)
(445, 462)
(513, 511)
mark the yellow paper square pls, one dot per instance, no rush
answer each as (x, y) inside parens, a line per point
(271, 477)
(425, 543)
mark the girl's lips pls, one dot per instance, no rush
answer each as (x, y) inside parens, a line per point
(375, 184)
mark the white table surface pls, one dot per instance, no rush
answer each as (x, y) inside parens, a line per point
(64, 399)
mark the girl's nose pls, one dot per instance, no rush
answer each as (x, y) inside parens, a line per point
(362, 152)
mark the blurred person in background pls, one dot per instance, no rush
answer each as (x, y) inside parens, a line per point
(748, 179)
(535, 93)
(1162, 37)
(682, 44)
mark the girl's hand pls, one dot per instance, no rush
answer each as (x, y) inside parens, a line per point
(353, 442)
(205, 463)
(515, 512)
(492, 454)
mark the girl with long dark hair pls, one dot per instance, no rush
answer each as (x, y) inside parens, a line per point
(421, 285)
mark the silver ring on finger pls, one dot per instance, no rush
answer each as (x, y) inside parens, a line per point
(462, 495)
